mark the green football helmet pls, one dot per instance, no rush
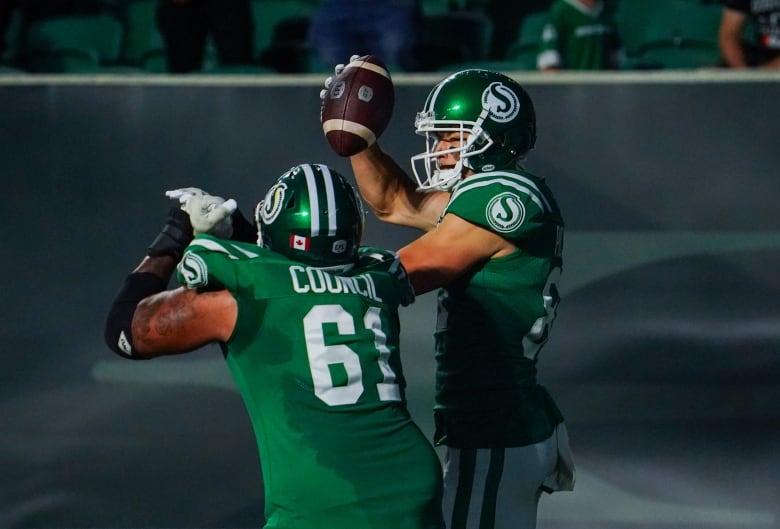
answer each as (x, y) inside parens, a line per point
(492, 109)
(311, 214)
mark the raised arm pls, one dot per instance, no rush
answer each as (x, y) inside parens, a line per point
(444, 254)
(182, 320)
(145, 320)
(730, 37)
(391, 194)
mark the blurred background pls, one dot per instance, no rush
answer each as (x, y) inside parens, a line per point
(665, 357)
(296, 36)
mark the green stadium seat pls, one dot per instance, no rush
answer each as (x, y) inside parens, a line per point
(631, 18)
(239, 69)
(438, 48)
(140, 30)
(679, 34)
(12, 38)
(688, 19)
(641, 21)
(288, 50)
(10, 70)
(493, 65)
(154, 61)
(679, 53)
(266, 14)
(64, 60)
(524, 50)
(434, 7)
(73, 41)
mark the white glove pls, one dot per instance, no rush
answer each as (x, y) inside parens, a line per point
(208, 213)
(337, 71)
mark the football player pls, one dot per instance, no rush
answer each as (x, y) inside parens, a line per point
(308, 323)
(493, 245)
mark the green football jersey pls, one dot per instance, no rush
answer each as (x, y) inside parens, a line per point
(578, 38)
(315, 356)
(494, 320)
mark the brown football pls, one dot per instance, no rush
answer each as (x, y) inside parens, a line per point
(357, 105)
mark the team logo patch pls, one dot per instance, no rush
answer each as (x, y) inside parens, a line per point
(194, 270)
(501, 102)
(338, 90)
(505, 212)
(365, 94)
(272, 203)
(339, 246)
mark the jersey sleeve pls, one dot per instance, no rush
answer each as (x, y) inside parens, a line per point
(509, 204)
(209, 262)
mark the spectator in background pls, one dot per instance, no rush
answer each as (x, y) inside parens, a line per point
(737, 52)
(580, 35)
(386, 28)
(507, 18)
(186, 25)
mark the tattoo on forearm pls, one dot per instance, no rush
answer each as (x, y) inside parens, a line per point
(162, 316)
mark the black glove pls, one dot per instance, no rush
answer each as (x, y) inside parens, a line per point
(243, 230)
(176, 234)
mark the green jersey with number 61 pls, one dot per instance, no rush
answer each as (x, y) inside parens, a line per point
(315, 356)
(494, 319)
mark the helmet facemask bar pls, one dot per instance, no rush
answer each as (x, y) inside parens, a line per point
(473, 141)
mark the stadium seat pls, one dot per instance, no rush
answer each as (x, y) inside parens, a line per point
(438, 48)
(688, 19)
(288, 50)
(12, 38)
(679, 34)
(631, 18)
(63, 60)
(493, 65)
(434, 7)
(154, 61)
(640, 21)
(524, 50)
(140, 30)
(266, 14)
(680, 53)
(10, 70)
(238, 69)
(73, 41)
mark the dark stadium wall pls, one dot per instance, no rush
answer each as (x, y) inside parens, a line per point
(665, 354)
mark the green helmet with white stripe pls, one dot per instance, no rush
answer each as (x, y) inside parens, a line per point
(494, 116)
(313, 215)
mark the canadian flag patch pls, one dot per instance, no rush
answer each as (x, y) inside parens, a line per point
(300, 243)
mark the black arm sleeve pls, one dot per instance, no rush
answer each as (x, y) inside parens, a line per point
(118, 333)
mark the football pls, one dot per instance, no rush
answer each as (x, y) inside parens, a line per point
(357, 105)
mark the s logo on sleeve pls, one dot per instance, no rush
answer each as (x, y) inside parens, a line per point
(193, 270)
(505, 212)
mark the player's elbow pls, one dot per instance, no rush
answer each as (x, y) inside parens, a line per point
(118, 331)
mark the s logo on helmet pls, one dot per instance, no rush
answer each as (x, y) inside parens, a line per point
(272, 203)
(501, 102)
(505, 212)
